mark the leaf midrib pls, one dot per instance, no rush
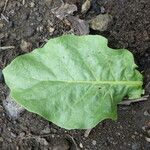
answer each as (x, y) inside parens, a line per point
(131, 83)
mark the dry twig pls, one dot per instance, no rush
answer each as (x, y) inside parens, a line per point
(128, 102)
(7, 47)
(5, 18)
(6, 2)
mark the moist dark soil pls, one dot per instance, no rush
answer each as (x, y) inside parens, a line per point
(32, 22)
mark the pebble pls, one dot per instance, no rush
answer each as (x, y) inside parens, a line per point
(12, 108)
(1, 25)
(103, 10)
(62, 146)
(13, 135)
(51, 29)
(22, 134)
(101, 22)
(147, 139)
(40, 28)
(25, 46)
(147, 113)
(81, 145)
(42, 141)
(86, 6)
(46, 130)
(94, 142)
(32, 4)
(1, 139)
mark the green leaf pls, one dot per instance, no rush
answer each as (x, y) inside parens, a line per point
(74, 81)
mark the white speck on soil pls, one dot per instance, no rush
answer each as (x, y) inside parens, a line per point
(81, 145)
(12, 108)
(94, 142)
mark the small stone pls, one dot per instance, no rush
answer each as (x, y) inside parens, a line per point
(32, 4)
(25, 46)
(101, 22)
(1, 139)
(40, 28)
(1, 25)
(12, 108)
(42, 141)
(81, 145)
(133, 136)
(61, 145)
(102, 9)
(22, 134)
(46, 130)
(147, 139)
(94, 142)
(147, 113)
(51, 29)
(86, 6)
(2, 35)
(13, 135)
(39, 18)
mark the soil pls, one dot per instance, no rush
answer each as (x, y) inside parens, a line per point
(32, 22)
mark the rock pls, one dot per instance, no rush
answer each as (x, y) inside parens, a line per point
(94, 142)
(25, 46)
(46, 130)
(51, 29)
(1, 139)
(40, 28)
(103, 10)
(1, 24)
(32, 4)
(22, 134)
(81, 145)
(147, 139)
(29, 31)
(63, 145)
(86, 6)
(13, 134)
(101, 22)
(12, 108)
(42, 141)
(147, 113)
(64, 10)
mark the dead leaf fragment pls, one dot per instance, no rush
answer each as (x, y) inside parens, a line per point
(64, 10)
(80, 27)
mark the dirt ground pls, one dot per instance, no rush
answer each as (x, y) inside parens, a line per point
(32, 22)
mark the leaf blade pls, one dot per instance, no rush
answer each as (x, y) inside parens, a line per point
(74, 81)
